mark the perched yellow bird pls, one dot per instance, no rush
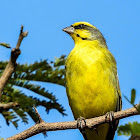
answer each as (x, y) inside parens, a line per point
(91, 79)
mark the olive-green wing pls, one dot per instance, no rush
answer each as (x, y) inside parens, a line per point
(113, 127)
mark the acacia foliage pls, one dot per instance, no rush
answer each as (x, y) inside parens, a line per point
(131, 129)
(29, 77)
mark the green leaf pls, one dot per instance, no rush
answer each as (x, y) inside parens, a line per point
(129, 129)
(10, 117)
(5, 45)
(35, 88)
(51, 105)
(21, 114)
(42, 71)
(133, 96)
(59, 61)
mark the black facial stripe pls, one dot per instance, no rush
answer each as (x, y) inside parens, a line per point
(80, 26)
(81, 37)
(77, 35)
(84, 39)
(83, 26)
(95, 33)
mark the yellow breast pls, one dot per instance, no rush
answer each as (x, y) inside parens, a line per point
(90, 80)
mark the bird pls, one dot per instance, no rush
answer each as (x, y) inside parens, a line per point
(91, 77)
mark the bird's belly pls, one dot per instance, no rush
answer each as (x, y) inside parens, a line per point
(90, 90)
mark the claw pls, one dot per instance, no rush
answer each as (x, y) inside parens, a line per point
(80, 126)
(111, 117)
(79, 122)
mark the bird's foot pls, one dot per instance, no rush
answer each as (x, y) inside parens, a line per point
(81, 127)
(111, 117)
(80, 124)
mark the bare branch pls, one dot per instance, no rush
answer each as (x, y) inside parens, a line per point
(12, 62)
(21, 36)
(8, 106)
(90, 123)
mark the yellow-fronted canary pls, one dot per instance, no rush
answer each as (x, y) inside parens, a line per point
(91, 79)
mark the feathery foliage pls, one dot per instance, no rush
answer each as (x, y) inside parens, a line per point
(27, 76)
(131, 129)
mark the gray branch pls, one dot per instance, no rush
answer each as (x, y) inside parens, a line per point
(8, 106)
(12, 62)
(90, 123)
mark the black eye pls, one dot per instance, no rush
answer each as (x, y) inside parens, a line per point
(81, 26)
(78, 35)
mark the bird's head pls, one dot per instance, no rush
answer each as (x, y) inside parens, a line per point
(84, 31)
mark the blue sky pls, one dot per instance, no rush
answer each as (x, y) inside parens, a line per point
(117, 20)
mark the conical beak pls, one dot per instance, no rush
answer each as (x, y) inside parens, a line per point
(69, 30)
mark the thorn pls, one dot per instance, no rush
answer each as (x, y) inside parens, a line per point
(39, 117)
(40, 120)
(45, 134)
